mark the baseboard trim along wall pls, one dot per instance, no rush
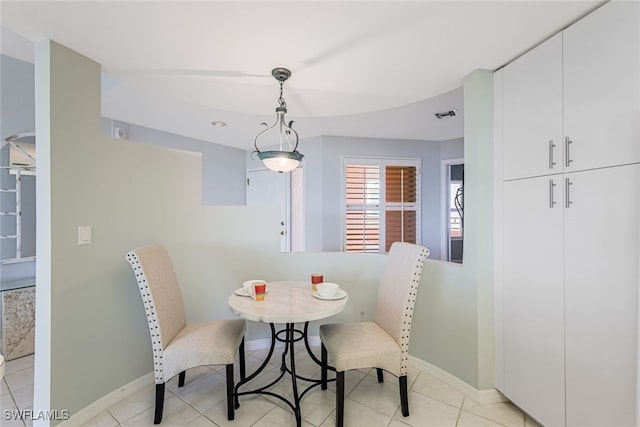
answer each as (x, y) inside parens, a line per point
(94, 409)
(481, 397)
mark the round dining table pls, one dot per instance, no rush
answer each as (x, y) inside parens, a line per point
(288, 303)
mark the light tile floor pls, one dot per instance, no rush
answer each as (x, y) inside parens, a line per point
(201, 402)
(16, 390)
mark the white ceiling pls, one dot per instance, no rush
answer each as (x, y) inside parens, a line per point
(372, 69)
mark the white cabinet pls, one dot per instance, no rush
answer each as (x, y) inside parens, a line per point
(573, 103)
(602, 87)
(601, 286)
(570, 296)
(570, 231)
(533, 297)
(532, 113)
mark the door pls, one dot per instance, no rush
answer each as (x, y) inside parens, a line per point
(601, 281)
(532, 112)
(602, 87)
(268, 188)
(533, 292)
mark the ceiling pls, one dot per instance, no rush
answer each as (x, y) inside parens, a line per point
(370, 69)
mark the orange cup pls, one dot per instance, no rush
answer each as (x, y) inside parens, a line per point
(259, 290)
(315, 279)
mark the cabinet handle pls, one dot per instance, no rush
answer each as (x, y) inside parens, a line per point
(551, 147)
(551, 201)
(567, 185)
(567, 143)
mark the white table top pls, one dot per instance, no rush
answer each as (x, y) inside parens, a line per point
(286, 302)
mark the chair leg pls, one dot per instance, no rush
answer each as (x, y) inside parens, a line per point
(404, 396)
(340, 399)
(230, 403)
(243, 369)
(323, 372)
(181, 378)
(159, 403)
(380, 375)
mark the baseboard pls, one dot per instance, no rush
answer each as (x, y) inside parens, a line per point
(481, 397)
(92, 410)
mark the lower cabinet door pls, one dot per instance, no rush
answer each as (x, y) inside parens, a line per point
(601, 281)
(534, 297)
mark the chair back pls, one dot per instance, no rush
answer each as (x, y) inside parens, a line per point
(160, 293)
(398, 290)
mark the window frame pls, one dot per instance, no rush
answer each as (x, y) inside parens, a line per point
(382, 163)
(445, 203)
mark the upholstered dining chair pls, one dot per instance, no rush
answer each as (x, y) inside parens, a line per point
(384, 343)
(177, 345)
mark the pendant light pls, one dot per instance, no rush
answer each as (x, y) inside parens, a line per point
(281, 160)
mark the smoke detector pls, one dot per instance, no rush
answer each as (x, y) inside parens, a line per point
(450, 113)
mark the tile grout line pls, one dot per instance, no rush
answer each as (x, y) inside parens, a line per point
(460, 410)
(186, 402)
(268, 412)
(10, 393)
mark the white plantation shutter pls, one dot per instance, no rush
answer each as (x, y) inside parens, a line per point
(381, 203)
(362, 224)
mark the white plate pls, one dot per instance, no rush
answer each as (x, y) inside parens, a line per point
(340, 293)
(243, 293)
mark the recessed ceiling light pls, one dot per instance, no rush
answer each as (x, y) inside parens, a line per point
(218, 124)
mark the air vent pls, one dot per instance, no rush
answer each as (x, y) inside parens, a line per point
(443, 114)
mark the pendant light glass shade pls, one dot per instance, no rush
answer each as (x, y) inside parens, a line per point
(280, 161)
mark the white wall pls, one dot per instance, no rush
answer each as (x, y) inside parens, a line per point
(223, 177)
(91, 333)
(17, 114)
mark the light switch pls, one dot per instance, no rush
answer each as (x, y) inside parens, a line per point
(84, 235)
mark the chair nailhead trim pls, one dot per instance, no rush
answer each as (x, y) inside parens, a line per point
(408, 312)
(152, 319)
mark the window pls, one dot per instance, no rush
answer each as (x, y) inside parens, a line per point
(453, 188)
(455, 209)
(381, 203)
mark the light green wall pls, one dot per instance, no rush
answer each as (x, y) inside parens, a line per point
(130, 194)
(89, 308)
(478, 128)
(453, 322)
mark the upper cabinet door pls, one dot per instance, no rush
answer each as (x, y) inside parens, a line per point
(532, 112)
(602, 87)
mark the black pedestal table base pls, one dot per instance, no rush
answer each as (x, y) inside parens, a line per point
(291, 336)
